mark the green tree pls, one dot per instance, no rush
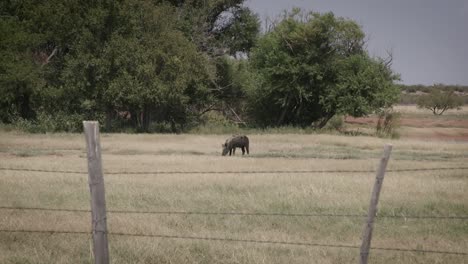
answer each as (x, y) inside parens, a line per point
(145, 66)
(20, 76)
(439, 101)
(218, 27)
(93, 59)
(313, 67)
(238, 32)
(36, 38)
(222, 29)
(234, 78)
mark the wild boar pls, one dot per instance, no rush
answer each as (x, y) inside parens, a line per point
(236, 142)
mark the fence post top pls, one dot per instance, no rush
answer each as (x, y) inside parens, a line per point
(90, 122)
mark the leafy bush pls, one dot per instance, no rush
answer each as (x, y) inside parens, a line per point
(58, 122)
(409, 99)
(336, 123)
(216, 123)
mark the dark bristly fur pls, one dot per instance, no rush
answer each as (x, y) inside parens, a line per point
(234, 142)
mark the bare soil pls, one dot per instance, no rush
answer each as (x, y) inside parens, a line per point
(424, 127)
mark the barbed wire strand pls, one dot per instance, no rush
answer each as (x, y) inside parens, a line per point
(40, 170)
(239, 240)
(45, 231)
(238, 213)
(233, 172)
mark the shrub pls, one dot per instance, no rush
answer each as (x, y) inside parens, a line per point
(58, 122)
(388, 123)
(336, 123)
(216, 123)
(439, 101)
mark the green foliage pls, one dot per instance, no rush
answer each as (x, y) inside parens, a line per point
(336, 123)
(408, 98)
(38, 37)
(239, 32)
(20, 76)
(56, 122)
(151, 70)
(216, 123)
(410, 94)
(438, 101)
(234, 78)
(313, 67)
(218, 27)
(426, 89)
(156, 60)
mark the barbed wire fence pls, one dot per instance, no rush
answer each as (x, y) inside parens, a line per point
(235, 172)
(266, 214)
(214, 213)
(101, 232)
(287, 243)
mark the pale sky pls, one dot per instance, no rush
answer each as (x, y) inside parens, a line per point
(428, 38)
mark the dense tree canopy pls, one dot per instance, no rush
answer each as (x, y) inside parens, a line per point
(149, 61)
(315, 66)
(165, 63)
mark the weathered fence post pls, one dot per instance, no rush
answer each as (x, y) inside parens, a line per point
(367, 234)
(96, 187)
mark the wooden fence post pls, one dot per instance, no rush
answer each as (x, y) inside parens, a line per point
(367, 234)
(96, 187)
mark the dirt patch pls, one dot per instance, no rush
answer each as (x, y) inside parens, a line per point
(413, 122)
(423, 128)
(441, 136)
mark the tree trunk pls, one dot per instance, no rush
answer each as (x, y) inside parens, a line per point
(173, 126)
(325, 120)
(134, 117)
(110, 115)
(24, 106)
(145, 118)
(285, 110)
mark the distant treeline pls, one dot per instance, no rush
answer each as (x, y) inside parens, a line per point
(411, 93)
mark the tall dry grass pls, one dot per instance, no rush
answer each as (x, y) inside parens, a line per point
(406, 193)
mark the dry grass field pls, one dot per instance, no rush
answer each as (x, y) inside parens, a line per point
(424, 193)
